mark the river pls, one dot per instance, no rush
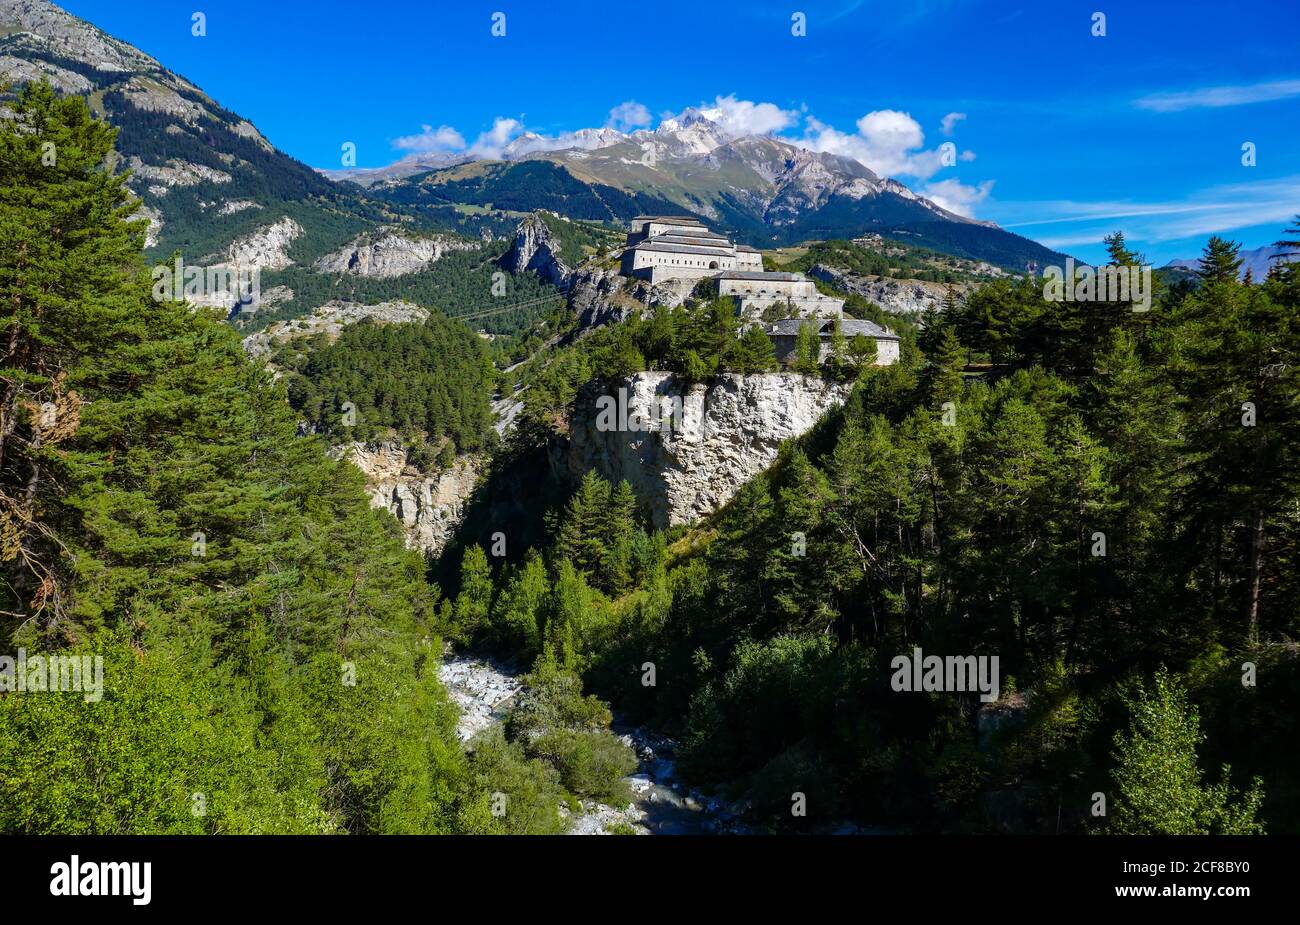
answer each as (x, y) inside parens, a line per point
(661, 804)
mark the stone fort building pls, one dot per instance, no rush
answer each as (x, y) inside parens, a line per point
(661, 248)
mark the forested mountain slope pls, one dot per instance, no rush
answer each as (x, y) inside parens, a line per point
(1104, 502)
(268, 649)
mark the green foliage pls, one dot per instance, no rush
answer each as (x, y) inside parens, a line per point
(555, 723)
(459, 284)
(510, 793)
(1157, 780)
(1096, 502)
(475, 598)
(432, 379)
(807, 350)
(167, 517)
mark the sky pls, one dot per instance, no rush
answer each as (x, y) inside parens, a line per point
(1181, 121)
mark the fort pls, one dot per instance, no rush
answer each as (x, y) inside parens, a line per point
(663, 248)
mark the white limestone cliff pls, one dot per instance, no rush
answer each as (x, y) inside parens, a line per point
(905, 296)
(389, 254)
(428, 505)
(731, 430)
(267, 248)
(536, 250)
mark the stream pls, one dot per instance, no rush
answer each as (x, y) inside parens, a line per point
(661, 804)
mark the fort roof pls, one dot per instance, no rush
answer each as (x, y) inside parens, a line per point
(763, 277)
(706, 240)
(653, 244)
(849, 327)
(674, 219)
(747, 249)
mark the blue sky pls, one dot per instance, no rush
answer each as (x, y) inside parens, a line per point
(1062, 135)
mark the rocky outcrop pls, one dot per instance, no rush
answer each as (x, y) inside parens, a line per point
(599, 296)
(905, 296)
(176, 173)
(535, 250)
(155, 223)
(429, 505)
(730, 430)
(19, 71)
(389, 254)
(55, 31)
(149, 95)
(330, 319)
(266, 248)
(231, 206)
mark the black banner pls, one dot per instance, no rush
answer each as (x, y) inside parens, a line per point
(143, 875)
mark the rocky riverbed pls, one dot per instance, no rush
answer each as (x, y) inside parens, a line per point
(661, 804)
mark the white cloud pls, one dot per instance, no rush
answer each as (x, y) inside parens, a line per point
(745, 117)
(442, 138)
(1214, 97)
(628, 115)
(1211, 211)
(889, 142)
(491, 143)
(955, 196)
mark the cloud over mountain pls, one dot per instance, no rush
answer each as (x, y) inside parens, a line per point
(886, 141)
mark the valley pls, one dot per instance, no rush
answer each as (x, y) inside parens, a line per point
(594, 483)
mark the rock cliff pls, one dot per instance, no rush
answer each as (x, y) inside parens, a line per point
(389, 254)
(730, 430)
(905, 296)
(267, 248)
(535, 249)
(429, 505)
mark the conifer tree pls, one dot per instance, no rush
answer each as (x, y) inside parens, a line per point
(755, 353)
(807, 350)
(264, 629)
(584, 530)
(1220, 261)
(1118, 252)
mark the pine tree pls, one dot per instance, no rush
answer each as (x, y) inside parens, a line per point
(70, 278)
(475, 598)
(584, 531)
(1118, 252)
(619, 534)
(516, 615)
(1220, 261)
(943, 379)
(755, 353)
(807, 350)
(264, 629)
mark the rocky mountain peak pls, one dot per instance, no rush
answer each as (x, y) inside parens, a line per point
(40, 25)
(536, 250)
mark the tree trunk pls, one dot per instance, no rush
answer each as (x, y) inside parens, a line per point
(1256, 570)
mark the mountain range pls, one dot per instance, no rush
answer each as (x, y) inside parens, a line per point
(764, 190)
(214, 186)
(1257, 262)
